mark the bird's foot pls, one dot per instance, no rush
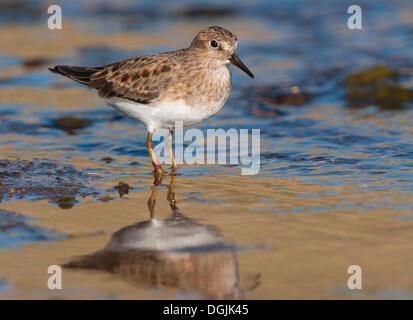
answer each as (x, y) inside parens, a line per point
(161, 171)
(173, 171)
(158, 173)
(158, 168)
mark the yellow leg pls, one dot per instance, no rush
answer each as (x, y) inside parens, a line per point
(155, 162)
(168, 144)
(170, 197)
(171, 194)
(151, 202)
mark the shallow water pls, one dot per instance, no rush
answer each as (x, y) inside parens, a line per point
(334, 187)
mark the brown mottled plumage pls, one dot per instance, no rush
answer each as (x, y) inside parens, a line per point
(140, 79)
(186, 85)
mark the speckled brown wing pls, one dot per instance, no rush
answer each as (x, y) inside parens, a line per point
(140, 79)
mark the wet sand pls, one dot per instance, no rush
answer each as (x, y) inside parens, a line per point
(306, 254)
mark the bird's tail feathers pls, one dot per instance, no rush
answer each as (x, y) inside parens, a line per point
(79, 74)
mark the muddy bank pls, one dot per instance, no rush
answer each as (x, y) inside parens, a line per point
(43, 179)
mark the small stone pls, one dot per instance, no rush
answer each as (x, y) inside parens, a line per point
(107, 159)
(66, 202)
(123, 188)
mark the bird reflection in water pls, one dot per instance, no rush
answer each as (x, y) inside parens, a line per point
(176, 252)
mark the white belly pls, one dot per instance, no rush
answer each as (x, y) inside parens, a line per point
(165, 114)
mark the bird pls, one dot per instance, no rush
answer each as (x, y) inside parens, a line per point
(188, 85)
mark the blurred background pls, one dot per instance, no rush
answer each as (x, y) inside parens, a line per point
(334, 107)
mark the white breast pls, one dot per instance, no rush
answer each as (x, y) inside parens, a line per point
(164, 114)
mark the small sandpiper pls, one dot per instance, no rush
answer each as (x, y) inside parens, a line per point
(188, 85)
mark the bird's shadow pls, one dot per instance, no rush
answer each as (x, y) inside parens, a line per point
(177, 252)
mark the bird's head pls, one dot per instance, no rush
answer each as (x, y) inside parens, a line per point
(218, 46)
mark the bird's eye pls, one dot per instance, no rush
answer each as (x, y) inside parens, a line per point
(214, 44)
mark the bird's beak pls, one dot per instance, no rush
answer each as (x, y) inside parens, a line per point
(238, 63)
